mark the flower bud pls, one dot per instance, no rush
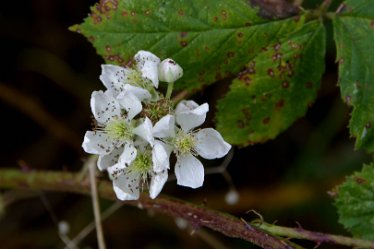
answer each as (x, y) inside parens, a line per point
(169, 71)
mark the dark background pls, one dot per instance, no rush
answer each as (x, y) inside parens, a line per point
(47, 75)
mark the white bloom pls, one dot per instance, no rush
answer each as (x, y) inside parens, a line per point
(115, 131)
(147, 63)
(186, 143)
(122, 79)
(138, 81)
(169, 71)
(128, 179)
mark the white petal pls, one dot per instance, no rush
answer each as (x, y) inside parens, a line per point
(210, 144)
(97, 143)
(160, 156)
(157, 183)
(189, 171)
(109, 160)
(147, 63)
(113, 78)
(128, 155)
(169, 71)
(165, 127)
(144, 131)
(140, 93)
(130, 103)
(190, 115)
(104, 106)
(126, 186)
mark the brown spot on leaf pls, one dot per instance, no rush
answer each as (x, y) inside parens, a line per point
(183, 34)
(266, 120)
(246, 113)
(240, 34)
(308, 84)
(124, 13)
(270, 72)
(133, 13)
(147, 12)
(181, 12)
(360, 180)
(372, 24)
(215, 18)
(277, 56)
(285, 84)
(247, 24)
(275, 8)
(224, 14)
(277, 46)
(368, 125)
(183, 43)
(341, 61)
(230, 54)
(279, 105)
(108, 48)
(240, 124)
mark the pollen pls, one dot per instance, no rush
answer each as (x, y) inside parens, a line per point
(119, 129)
(184, 142)
(142, 165)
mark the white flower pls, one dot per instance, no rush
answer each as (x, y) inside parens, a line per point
(130, 177)
(115, 131)
(147, 63)
(186, 143)
(169, 71)
(138, 81)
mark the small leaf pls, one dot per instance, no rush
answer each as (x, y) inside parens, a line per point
(354, 36)
(275, 88)
(355, 203)
(211, 40)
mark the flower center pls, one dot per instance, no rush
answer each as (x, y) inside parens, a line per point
(119, 129)
(156, 110)
(184, 142)
(135, 78)
(142, 165)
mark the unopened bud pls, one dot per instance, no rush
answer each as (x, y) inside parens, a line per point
(169, 71)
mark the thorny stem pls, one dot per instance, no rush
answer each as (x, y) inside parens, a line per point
(95, 202)
(196, 215)
(319, 238)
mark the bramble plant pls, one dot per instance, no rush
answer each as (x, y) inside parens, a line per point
(272, 55)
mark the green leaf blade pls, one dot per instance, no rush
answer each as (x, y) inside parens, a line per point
(355, 203)
(354, 36)
(209, 40)
(276, 87)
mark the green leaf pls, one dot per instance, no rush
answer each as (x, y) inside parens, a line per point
(355, 203)
(211, 40)
(354, 37)
(275, 88)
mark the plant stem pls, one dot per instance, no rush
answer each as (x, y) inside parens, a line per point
(196, 215)
(319, 238)
(262, 234)
(169, 90)
(95, 202)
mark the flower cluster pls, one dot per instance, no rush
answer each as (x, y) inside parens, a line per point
(137, 129)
